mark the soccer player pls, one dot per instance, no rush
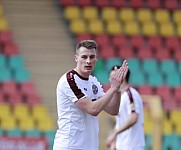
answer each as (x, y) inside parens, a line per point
(129, 131)
(80, 98)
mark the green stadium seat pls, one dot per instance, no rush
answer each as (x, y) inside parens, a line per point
(110, 62)
(22, 75)
(137, 78)
(150, 65)
(155, 79)
(50, 135)
(32, 133)
(99, 64)
(5, 74)
(14, 132)
(2, 61)
(168, 66)
(173, 79)
(16, 61)
(134, 64)
(102, 76)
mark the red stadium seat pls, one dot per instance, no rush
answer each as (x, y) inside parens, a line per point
(9, 87)
(6, 36)
(126, 52)
(10, 48)
(119, 41)
(137, 42)
(107, 52)
(84, 3)
(153, 4)
(136, 3)
(162, 53)
(155, 42)
(15, 98)
(171, 4)
(177, 54)
(102, 3)
(164, 92)
(177, 93)
(172, 43)
(65, 3)
(145, 52)
(85, 36)
(102, 39)
(27, 87)
(145, 90)
(33, 99)
(118, 3)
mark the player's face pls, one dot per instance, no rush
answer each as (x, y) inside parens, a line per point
(86, 60)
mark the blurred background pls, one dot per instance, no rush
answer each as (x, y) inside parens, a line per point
(37, 44)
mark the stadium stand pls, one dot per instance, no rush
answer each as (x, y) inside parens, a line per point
(147, 33)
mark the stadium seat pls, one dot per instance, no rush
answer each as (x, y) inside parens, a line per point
(5, 110)
(178, 30)
(10, 48)
(110, 62)
(107, 51)
(32, 133)
(137, 78)
(27, 124)
(145, 89)
(21, 111)
(50, 135)
(168, 66)
(132, 28)
(102, 76)
(99, 65)
(145, 52)
(8, 123)
(96, 27)
(167, 30)
(167, 127)
(162, 53)
(9, 87)
(153, 4)
(155, 79)
(102, 3)
(102, 39)
(119, 41)
(22, 75)
(126, 14)
(137, 41)
(6, 36)
(144, 15)
(84, 36)
(155, 42)
(4, 25)
(149, 29)
(72, 12)
(3, 61)
(90, 13)
(134, 64)
(126, 52)
(136, 4)
(84, 3)
(108, 14)
(163, 91)
(27, 87)
(16, 62)
(171, 4)
(15, 98)
(172, 43)
(179, 66)
(78, 26)
(5, 74)
(176, 16)
(162, 16)
(39, 111)
(150, 65)
(16, 132)
(173, 79)
(114, 28)
(65, 3)
(32, 98)
(45, 124)
(118, 3)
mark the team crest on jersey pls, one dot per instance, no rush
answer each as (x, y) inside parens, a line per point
(94, 89)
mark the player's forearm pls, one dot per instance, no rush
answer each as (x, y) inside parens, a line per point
(113, 106)
(132, 119)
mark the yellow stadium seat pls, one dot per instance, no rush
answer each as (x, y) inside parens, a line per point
(96, 27)
(39, 111)
(27, 123)
(45, 124)
(21, 111)
(8, 123)
(167, 127)
(114, 27)
(78, 26)
(167, 30)
(144, 15)
(4, 25)
(175, 115)
(131, 28)
(178, 30)
(109, 14)
(148, 126)
(177, 16)
(149, 29)
(5, 110)
(126, 14)
(1, 10)
(162, 16)
(72, 12)
(90, 13)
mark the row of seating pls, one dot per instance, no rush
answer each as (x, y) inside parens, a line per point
(153, 4)
(143, 15)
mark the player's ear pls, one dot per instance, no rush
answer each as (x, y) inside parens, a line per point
(76, 58)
